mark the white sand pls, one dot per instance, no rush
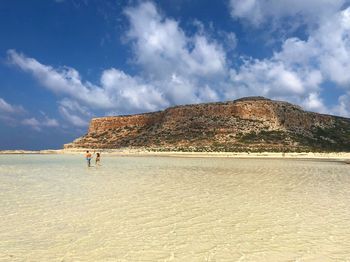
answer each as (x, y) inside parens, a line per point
(345, 156)
(54, 208)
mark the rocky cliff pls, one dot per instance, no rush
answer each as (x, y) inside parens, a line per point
(247, 124)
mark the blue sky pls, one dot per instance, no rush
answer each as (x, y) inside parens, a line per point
(63, 62)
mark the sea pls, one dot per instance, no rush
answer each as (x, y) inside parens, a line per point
(55, 208)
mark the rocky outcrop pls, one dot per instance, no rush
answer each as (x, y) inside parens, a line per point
(247, 124)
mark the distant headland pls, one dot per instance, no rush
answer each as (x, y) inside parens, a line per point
(251, 124)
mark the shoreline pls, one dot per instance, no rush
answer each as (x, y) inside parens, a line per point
(143, 152)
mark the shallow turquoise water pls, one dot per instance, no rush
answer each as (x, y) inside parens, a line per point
(53, 208)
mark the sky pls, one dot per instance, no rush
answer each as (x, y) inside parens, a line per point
(63, 62)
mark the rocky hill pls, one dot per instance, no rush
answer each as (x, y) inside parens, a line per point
(247, 124)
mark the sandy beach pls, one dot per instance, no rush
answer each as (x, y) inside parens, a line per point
(143, 152)
(155, 208)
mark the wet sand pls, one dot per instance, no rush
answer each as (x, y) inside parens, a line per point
(53, 208)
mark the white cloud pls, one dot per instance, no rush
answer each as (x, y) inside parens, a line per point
(310, 12)
(180, 68)
(32, 122)
(162, 48)
(176, 69)
(342, 108)
(314, 103)
(6, 108)
(74, 113)
(270, 78)
(9, 113)
(131, 93)
(327, 49)
(72, 118)
(63, 81)
(178, 64)
(230, 40)
(37, 125)
(298, 72)
(117, 91)
(13, 115)
(248, 9)
(50, 122)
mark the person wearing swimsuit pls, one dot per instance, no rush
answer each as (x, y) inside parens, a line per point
(98, 159)
(88, 158)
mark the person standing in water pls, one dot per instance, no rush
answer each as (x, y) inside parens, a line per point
(88, 158)
(98, 159)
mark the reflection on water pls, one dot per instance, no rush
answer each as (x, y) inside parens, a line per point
(53, 208)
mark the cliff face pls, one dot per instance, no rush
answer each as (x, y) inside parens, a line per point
(253, 124)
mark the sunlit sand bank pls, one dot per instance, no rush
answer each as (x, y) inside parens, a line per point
(145, 152)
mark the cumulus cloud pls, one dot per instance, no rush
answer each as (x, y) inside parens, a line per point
(118, 90)
(298, 71)
(327, 48)
(180, 64)
(342, 108)
(313, 102)
(62, 81)
(175, 69)
(310, 12)
(131, 93)
(178, 68)
(161, 43)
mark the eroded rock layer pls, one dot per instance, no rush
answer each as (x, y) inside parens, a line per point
(247, 124)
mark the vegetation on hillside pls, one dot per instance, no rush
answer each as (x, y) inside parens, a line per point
(277, 127)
